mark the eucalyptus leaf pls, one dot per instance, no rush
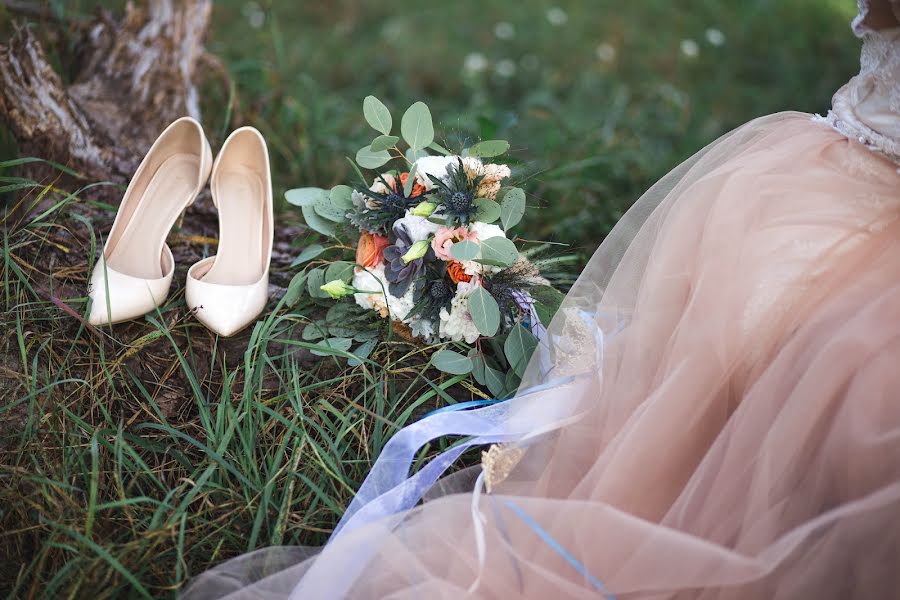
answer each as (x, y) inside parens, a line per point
(518, 348)
(308, 253)
(416, 126)
(478, 367)
(341, 330)
(512, 207)
(410, 181)
(362, 352)
(548, 300)
(498, 251)
(369, 159)
(314, 282)
(496, 381)
(295, 289)
(485, 312)
(486, 211)
(414, 155)
(345, 312)
(342, 196)
(451, 362)
(511, 384)
(377, 115)
(439, 149)
(326, 209)
(312, 218)
(464, 250)
(314, 331)
(383, 142)
(339, 270)
(366, 335)
(333, 345)
(304, 196)
(489, 148)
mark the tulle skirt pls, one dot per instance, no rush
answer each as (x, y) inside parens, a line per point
(729, 363)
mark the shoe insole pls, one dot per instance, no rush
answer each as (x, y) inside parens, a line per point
(239, 259)
(139, 248)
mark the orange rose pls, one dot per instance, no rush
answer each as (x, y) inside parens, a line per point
(457, 272)
(417, 190)
(370, 250)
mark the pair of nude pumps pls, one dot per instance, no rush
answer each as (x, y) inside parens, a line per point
(226, 291)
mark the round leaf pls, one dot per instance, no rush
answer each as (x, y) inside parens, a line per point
(309, 253)
(333, 346)
(314, 281)
(368, 159)
(416, 126)
(518, 348)
(314, 331)
(464, 250)
(489, 148)
(295, 288)
(312, 218)
(512, 208)
(377, 115)
(325, 208)
(496, 382)
(485, 312)
(342, 196)
(487, 211)
(304, 196)
(339, 270)
(498, 251)
(362, 352)
(451, 362)
(383, 142)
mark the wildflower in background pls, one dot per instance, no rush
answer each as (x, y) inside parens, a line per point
(475, 62)
(370, 250)
(557, 16)
(690, 48)
(715, 37)
(505, 68)
(504, 31)
(606, 52)
(254, 14)
(530, 62)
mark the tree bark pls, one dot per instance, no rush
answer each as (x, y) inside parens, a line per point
(131, 78)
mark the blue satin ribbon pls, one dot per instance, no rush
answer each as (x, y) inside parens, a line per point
(462, 406)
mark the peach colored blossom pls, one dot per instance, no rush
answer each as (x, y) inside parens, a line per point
(457, 272)
(445, 238)
(370, 250)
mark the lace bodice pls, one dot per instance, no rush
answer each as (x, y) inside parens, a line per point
(867, 108)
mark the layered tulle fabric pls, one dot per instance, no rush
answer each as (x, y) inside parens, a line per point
(725, 388)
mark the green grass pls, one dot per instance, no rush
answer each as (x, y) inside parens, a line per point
(135, 457)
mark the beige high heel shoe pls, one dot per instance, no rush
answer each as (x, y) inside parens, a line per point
(134, 273)
(229, 290)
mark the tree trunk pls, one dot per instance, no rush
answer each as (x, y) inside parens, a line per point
(131, 78)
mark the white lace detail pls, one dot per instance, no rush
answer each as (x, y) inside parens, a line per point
(867, 108)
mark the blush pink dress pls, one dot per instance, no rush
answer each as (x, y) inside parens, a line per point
(714, 413)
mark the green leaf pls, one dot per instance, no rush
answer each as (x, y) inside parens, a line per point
(314, 331)
(368, 159)
(362, 352)
(383, 142)
(336, 343)
(478, 366)
(309, 253)
(518, 348)
(487, 211)
(416, 126)
(410, 181)
(342, 196)
(498, 251)
(451, 362)
(496, 381)
(414, 155)
(339, 270)
(547, 300)
(438, 148)
(325, 208)
(485, 312)
(295, 289)
(511, 384)
(512, 207)
(312, 218)
(314, 281)
(489, 148)
(377, 115)
(464, 250)
(304, 196)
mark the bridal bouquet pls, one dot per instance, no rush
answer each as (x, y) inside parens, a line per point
(434, 252)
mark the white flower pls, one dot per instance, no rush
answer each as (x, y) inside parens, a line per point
(418, 228)
(457, 323)
(557, 16)
(505, 68)
(475, 62)
(371, 281)
(486, 231)
(492, 175)
(504, 31)
(433, 166)
(606, 53)
(715, 37)
(690, 48)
